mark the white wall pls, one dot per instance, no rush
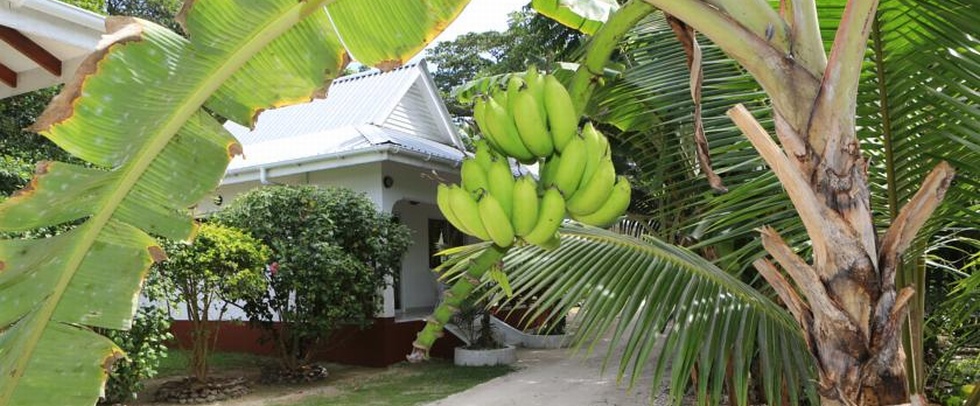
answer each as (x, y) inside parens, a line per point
(362, 178)
(412, 183)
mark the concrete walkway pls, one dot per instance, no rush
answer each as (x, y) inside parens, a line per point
(558, 378)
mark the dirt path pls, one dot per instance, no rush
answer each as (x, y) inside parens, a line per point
(556, 378)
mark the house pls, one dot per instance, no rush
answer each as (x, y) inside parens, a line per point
(387, 135)
(42, 42)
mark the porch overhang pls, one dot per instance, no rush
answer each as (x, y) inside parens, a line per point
(42, 42)
(381, 153)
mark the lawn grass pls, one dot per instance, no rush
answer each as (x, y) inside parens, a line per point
(410, 384)
(177, 361)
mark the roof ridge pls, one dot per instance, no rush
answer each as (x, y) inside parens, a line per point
(374, 72)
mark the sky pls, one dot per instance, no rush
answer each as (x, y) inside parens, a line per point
(479, 16)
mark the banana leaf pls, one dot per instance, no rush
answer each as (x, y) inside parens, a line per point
(141, 111)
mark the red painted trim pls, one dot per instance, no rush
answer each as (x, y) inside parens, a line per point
(8, 76)
(31, 50)
(383, 343)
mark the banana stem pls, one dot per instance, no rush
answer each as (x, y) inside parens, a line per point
(600, 49)
(451, 301)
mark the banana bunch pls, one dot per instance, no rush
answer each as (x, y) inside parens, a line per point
(529, 119)
(490, 204)
(586, 177)
(533, 120)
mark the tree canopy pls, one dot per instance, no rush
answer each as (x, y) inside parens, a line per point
(530, 39)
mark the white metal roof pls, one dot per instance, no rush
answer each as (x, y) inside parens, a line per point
(38, 38)
(323, 144)
(400, 108)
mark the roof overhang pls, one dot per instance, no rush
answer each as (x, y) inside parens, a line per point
(382, 153)
(42, 42)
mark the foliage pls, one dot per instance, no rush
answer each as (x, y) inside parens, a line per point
(145, 347)
(20, 149)
(473, 319)
(90, 5)
(221, 267)
(151, 154)
(144, 344)
(953, 322)
(661, 301)
(159, 11)
(20, 112)
(958, 381)
(332, 251)
(530, 39)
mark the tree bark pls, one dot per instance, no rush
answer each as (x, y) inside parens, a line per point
(853, 312)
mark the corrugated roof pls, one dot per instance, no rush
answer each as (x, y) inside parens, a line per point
(400, 108)
(363, 98)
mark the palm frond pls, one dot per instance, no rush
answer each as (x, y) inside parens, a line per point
(665, 306)
(921, 104)
(652, 106)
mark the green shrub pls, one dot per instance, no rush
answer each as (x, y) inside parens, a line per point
(144, 347)
(332, 252)
(143, 343)
(222, 266)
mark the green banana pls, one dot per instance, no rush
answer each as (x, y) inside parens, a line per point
(525, 212)
(532, 127)
(595, 147)
(594, 191)
(480, 115)
(562, 120)
(442, 200)
(479, 110)
(535, 84)
(552, 242)
(500, 96)
(467, 212)
(568, 174)
(550, 215)
(504, 131)
(547, 171)
(500, 183)
(473, 176)
(496, 221)
(514, 85)
(612, 208)
(484, 154)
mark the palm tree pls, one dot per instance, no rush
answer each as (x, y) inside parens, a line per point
(860, 129)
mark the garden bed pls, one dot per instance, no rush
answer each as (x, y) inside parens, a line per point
(400, 384)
